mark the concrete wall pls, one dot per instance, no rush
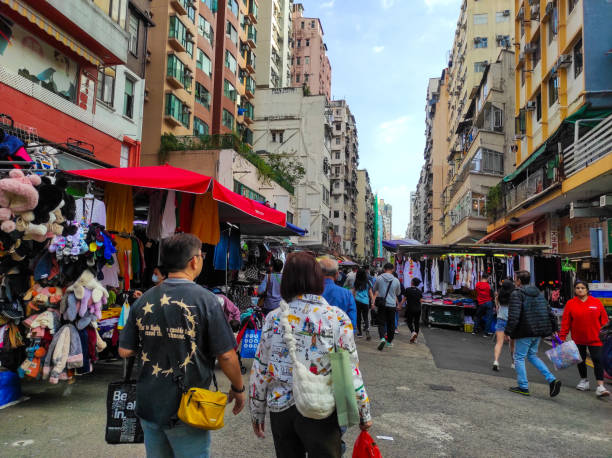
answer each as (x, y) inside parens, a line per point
(438, 157)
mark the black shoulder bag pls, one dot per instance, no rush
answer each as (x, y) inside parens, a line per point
(382, 301)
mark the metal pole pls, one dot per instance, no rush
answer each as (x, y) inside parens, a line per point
(600, 254)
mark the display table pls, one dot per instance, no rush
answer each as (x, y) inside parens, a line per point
(444, 315)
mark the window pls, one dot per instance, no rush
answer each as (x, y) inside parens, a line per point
(106, 85)
(502, 16)
(325, 194)
(229, 90)
(211, 4)
(306, 77)
(480, 42)
(231, 33)
(337, 170)
(124, 156)
(336, 184)
(337, 155)
(203, 62)
(336, 214)
(307, 60)
(522, 77)
(302, 25)
(553, 23)
(189, 48)
(230, 61)
(571, 4)
(178, 31)
(480, 66)
(578, 63)
(228, 119)
(178, 71)
(202, 96)
(537, 54)
(337, 140)
(297, 78)
(292, 60)
(116, 10)
(307, 42)
(520, 124)
(205, 29)
(503, 41)
(553, 89)
(199, 127)
(298, 61)
(277, 136)
(177, 109)
(480, 19)
(245, 191)
(312, 24)
(128, 98)
(338, 126)
(336, 228)
(233, 6)
(299, 43)
(133, 26)
(538, 101)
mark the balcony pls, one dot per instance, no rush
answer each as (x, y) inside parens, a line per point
(252, 36)
(253, 12)
(180, 6)
(250, 62)
(177, 35)
(250, 87)
(595, 145)
(178, 75)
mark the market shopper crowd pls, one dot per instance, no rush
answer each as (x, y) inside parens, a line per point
(179, 330)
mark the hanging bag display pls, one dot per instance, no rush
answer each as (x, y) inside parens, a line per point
(199, 407)
(563, 354)
(250, 342)
(313, 393)
(122, 424)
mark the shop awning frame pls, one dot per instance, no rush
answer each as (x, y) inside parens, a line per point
(470, 248)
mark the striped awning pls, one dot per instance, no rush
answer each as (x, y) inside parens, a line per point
(51, 30)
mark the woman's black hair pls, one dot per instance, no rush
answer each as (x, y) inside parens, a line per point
(506, 288)
(361, 280)
(581, 282)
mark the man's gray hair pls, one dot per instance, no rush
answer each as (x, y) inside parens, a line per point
(329, 266)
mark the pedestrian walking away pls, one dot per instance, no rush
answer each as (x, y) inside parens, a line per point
(337, 295)
(386, 290)
(364, 296)
(413, 297)
(319, 328)
(583, 317)
(502, 301)
(178, 307)
(484, 313)
(529, 319)
(270, 286)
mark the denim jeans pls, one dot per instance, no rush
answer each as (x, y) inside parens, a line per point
(484, 313)
(527, 347)
(181, 441)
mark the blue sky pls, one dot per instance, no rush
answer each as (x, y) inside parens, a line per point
(383, 53)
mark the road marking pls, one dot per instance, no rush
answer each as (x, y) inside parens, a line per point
(23, 443)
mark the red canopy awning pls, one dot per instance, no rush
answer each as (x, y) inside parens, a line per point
(254, 218)
(497, 235)
(155, 177)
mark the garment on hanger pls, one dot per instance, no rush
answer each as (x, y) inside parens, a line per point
(90, 210)
(205, 222)
(111, 273)
(231, 243)
(119, 208)
(168, 223)
(124, 248)
(185, 211)
(156, 201)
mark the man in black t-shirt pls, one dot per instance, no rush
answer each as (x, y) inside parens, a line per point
(413, 308)
(179, 329)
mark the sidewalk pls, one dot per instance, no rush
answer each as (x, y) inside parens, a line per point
(479, 418)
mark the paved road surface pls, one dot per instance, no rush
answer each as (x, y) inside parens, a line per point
(479, 418)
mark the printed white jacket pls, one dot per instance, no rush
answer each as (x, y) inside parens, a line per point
(315, 323)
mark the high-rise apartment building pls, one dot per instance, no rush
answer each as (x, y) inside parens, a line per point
(365, 217)
(561, 185)
(72, 74)
(274, 31)
(299, 127)
(310, 66)
(344, 162)
(201, 70)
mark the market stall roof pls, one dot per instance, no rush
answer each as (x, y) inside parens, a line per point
(254, 218)
(298, 230)
(489, 248)
(392, 245)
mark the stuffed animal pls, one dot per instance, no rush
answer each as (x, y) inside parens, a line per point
(50, 198)
(17, 195)
(39, 298)
(31, 366)
(89, 293)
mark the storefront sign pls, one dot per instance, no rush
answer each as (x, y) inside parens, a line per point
(576, 234)
(32, 58)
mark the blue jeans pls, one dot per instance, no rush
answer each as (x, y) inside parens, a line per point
(484, 313)
(181, 441)
(528, 347)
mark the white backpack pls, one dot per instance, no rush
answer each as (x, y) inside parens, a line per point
(313, 394)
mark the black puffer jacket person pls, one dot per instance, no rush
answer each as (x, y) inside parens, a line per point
(529, 314)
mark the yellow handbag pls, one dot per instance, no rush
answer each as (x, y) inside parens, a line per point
(203, 409)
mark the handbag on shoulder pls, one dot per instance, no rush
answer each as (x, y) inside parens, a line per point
(382, 301)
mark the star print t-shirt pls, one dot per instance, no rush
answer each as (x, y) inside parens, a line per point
(196, 332)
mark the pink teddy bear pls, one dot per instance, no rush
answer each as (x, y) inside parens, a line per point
(17, 195)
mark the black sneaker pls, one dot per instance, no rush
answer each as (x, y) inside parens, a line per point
(519, 390)
(555, 388)
(382, 344)
(368, 336)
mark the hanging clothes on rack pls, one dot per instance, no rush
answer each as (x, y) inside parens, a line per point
(205, 222)
(156, 202)
(168, 222)
(231, 243)
(119, 208)
(90, 210)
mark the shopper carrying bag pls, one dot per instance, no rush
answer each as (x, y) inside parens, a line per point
(122, 424)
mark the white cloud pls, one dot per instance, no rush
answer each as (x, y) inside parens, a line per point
(378, 49)
(328, 4)
(386, 4)
(391, 131)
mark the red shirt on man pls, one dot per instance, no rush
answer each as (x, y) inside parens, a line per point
(483, 292)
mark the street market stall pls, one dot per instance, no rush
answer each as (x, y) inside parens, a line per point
(449, 274)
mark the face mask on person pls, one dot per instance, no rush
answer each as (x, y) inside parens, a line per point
(155, 278)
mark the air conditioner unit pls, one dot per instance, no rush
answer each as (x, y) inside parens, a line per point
(549, 8)
(531, 48)
(499, 37)
(531, 105)
(506, 12)
(565, 60)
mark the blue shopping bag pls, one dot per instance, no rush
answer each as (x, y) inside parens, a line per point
(250, 341)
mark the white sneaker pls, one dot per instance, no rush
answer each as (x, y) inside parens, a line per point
(601, 391)
(583, 385)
